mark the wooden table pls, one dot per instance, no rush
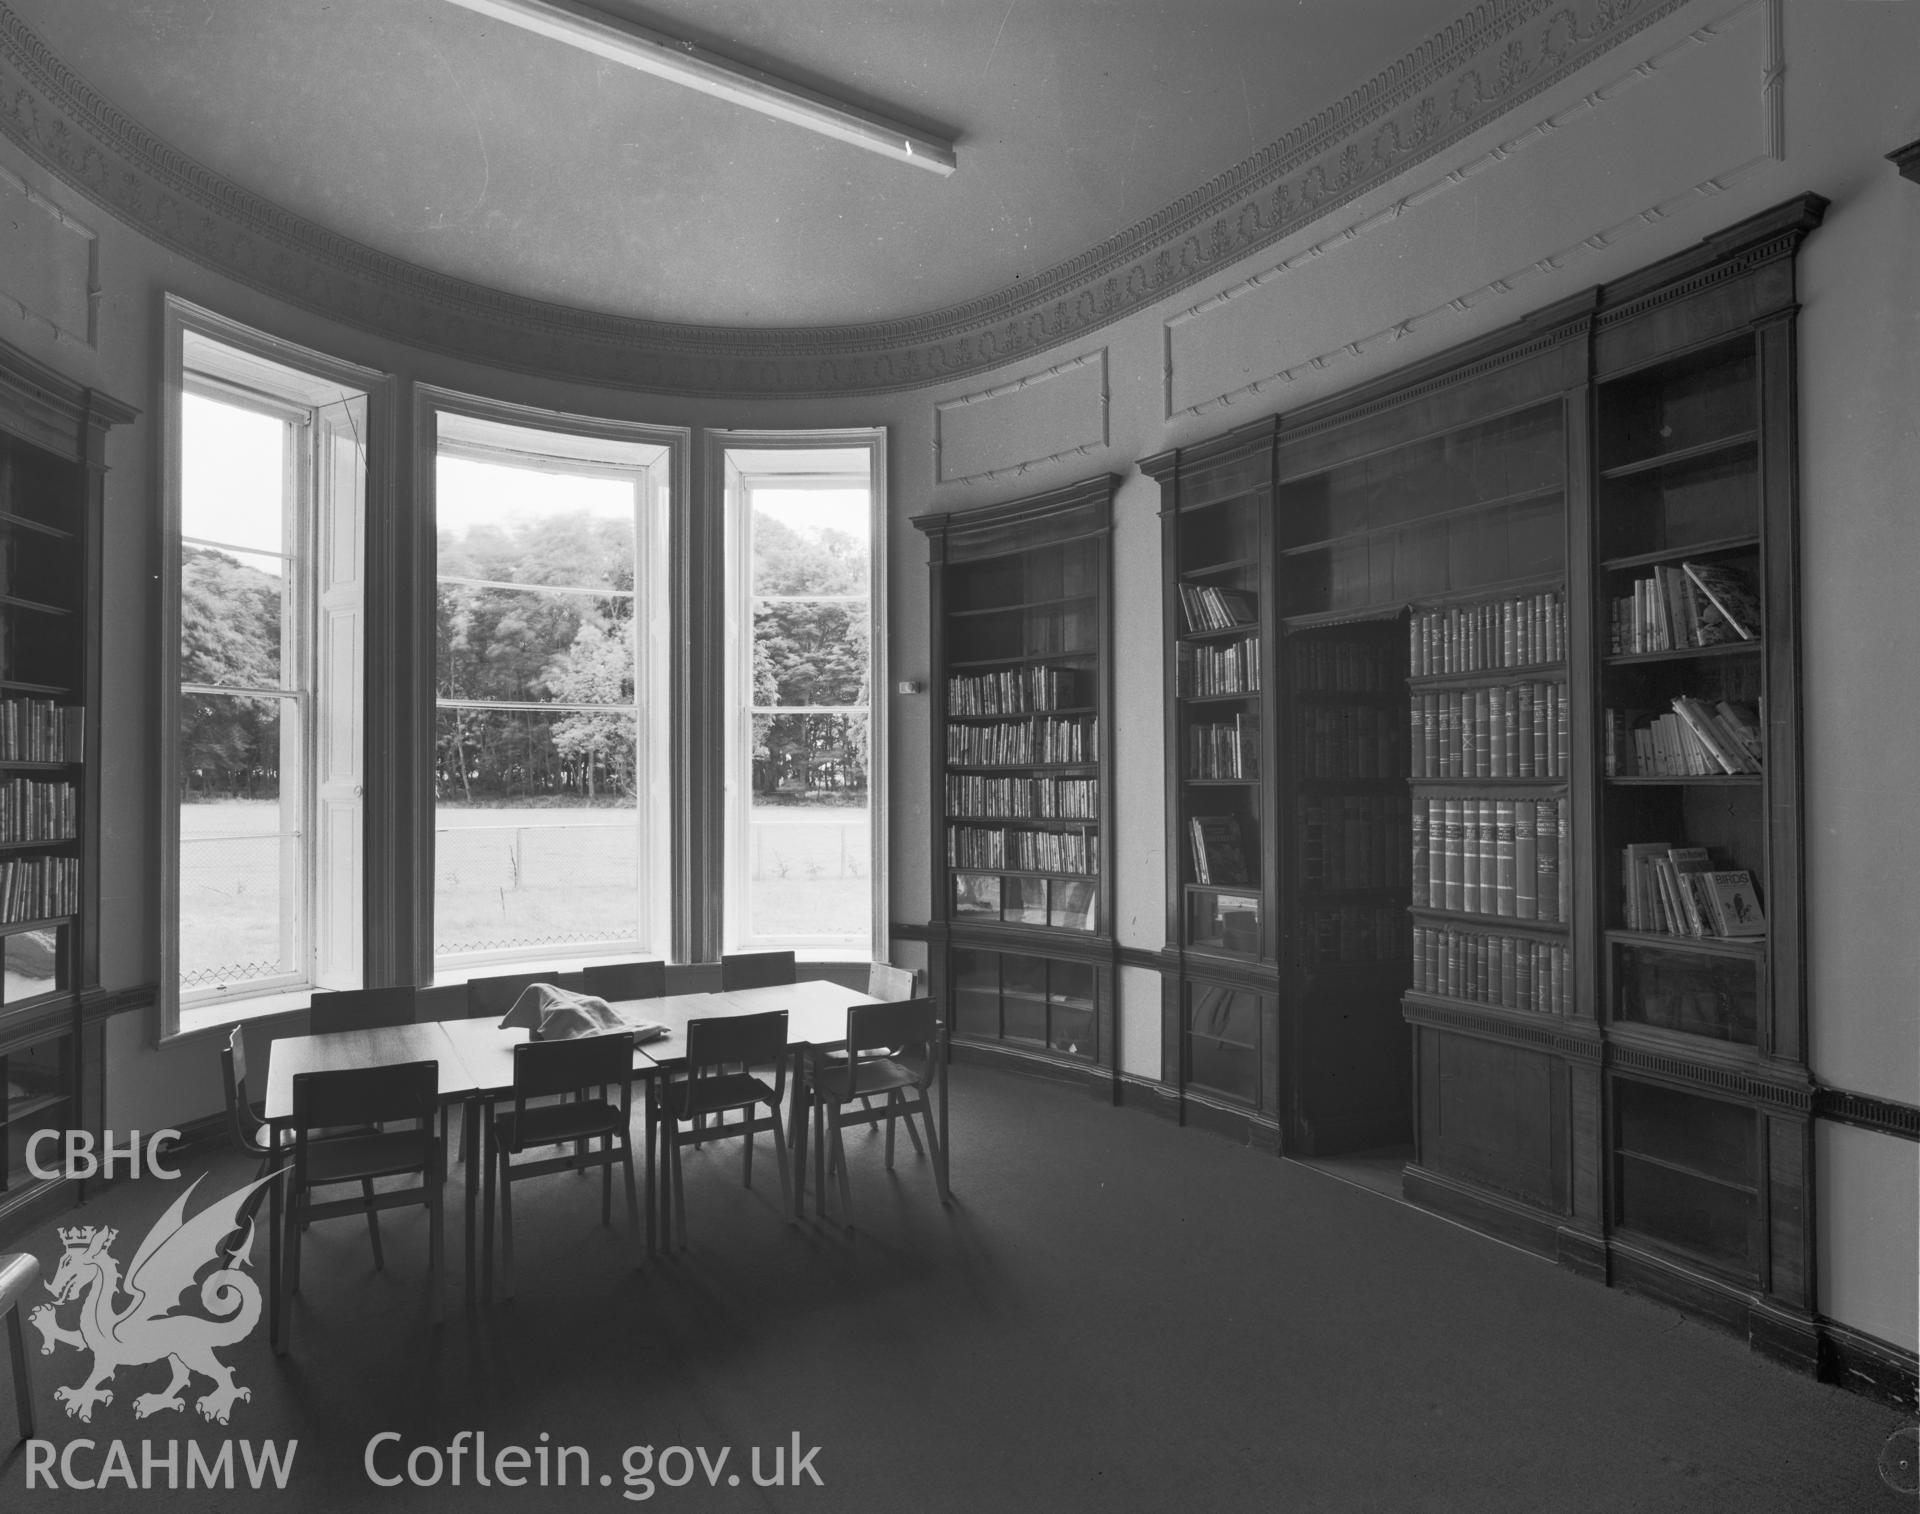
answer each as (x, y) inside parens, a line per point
(475, 1059)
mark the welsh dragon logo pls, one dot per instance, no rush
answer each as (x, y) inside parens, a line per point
(147, 1329)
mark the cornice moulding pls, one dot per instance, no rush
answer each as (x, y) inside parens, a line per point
(1494, 57)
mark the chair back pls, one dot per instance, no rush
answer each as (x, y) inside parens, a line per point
(365, 1096)
(885, 981)
(756, 970)
(626, 980)
(491, 998)
(360, 1009)
(906, 1025)
(241, 1117)
(548, 1067)
(724, 1041)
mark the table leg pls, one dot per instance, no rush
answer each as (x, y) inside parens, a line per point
(797, 1146)
(940, 1166)
(473, 1189)
(651, 1087)
(273, 1239)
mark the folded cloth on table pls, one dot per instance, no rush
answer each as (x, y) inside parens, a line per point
(553, 1013)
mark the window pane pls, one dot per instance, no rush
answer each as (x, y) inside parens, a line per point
(530, 646)
(230, 618)
(810, 541)
(809, 836)
(536, 833)
(232, 475)
(523, 526)
(240, 841)
(810, 652)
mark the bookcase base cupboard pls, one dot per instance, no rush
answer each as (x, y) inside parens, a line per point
(1483, 793)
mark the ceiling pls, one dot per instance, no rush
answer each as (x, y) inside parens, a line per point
(431, 133)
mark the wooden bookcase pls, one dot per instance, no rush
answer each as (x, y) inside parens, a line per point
(1709, 1144)
(1222, 1040)
(1464, 724)
(1022, 936)
(52, 441)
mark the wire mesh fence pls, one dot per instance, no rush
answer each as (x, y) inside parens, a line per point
(233, 927)
(510, 886)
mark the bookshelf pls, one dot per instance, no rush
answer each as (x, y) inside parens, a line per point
(1021, 737)
(1699, 892)
(1221, 1030)
(52, 439)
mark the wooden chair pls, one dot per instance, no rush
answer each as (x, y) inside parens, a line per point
(18, 1274)
(756, 970)
(717, 1080)
(405, 1093)
(360, 1009)
(885, 981)
(247, 1129)
(626, 980)
(545, 1068)
(890, 1050)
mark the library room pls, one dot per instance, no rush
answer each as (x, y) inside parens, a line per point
(864, 757)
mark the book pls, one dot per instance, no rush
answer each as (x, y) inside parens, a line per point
(1730, 590)
(1734, 904)
(1688, 863)
(1219, 850)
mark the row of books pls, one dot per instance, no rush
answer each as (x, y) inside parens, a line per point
(1346, 667)
(1513, 972)
(1022, 743)
(1063, 903)
(39, 888)
(1689, 605)
(1351, 841)
(35, 811)
(972, 796)
(1693, 741)
(1348, 741)
(1676, 891)
(1208, 607)
(1353, 934)
(1224, 748)
(38, 730)
(1023, 850)
(1516, 632)
(1519, 730)
(1507, 857)
(1229, 668)
(1015, 691)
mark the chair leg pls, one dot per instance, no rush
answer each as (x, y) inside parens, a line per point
(606, 1177)
(437, 1241)
(780, 1160)
(906, 1118)
(846, 1191)
(22, 1378)
(797, 1147)
(820, 1117)
(633, 1203)
(893, 1100)
(679, 1184)
(373, 1225)
(873, 1115)
(506, 1225)
(746, 1159)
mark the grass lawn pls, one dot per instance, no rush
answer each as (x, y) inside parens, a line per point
(506, 878)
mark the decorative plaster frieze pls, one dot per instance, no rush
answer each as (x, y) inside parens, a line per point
(1093, 394)
(1518, 279)
(1485, 64)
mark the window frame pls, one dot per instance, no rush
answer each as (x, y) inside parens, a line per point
(209, 354)
(731, 508)
(655, 619)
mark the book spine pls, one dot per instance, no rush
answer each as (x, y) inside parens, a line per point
(1454, 890)
(1503, 821)
(1547, 850)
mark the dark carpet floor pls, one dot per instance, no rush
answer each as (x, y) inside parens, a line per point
(1116, 1315)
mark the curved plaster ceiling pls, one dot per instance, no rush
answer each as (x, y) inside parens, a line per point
(476, 178)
